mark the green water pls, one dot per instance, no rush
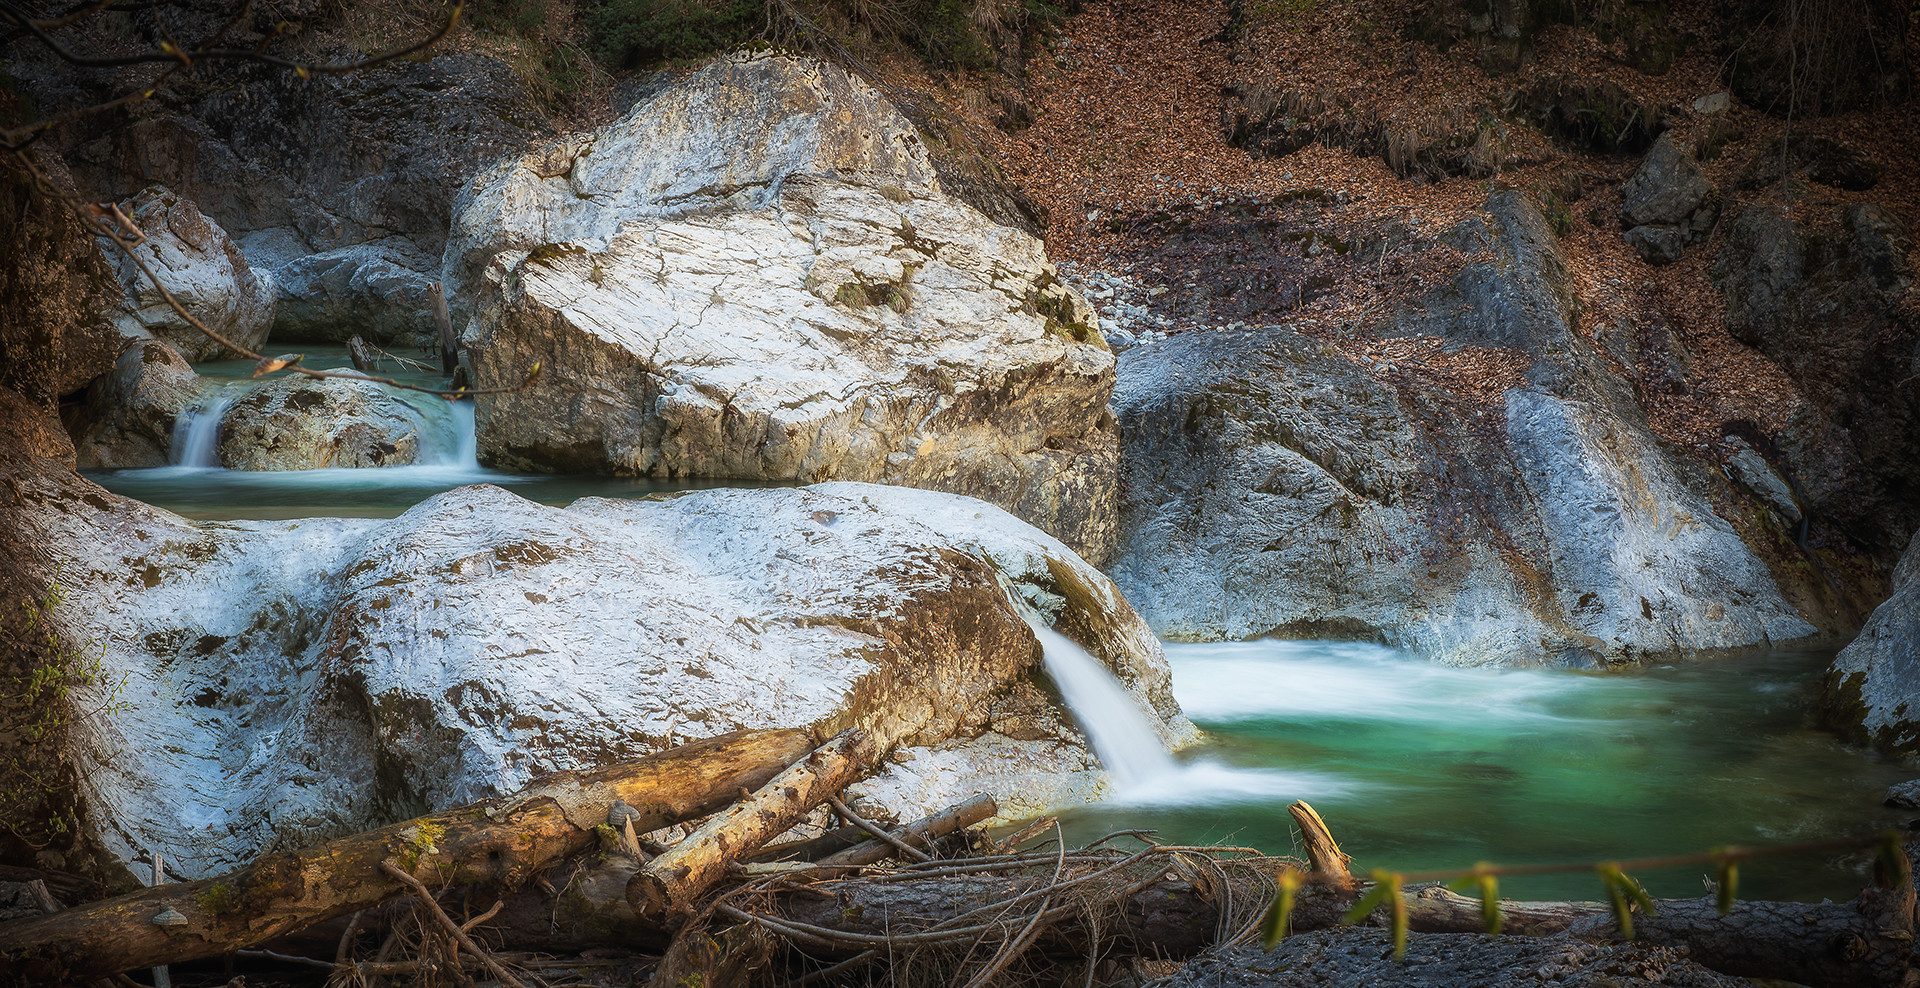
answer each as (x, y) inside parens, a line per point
(1416, 766)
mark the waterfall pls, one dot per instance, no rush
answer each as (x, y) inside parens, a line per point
(1123, 735)
(196, 433)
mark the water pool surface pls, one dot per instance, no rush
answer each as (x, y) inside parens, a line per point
(1416, 766)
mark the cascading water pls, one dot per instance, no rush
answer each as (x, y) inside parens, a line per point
(1129, 744)
(196, 434)
(1126, 741)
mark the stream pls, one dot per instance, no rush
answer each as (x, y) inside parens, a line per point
(1418, 766)
(1413, 765)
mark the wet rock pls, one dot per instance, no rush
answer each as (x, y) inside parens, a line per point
(131, 412)
(757, 275)
(1873, 686)
(297, 680)
(1668, 203)
(301, 423)
(1352, 958)
(193, 260)
(381, 291)
(1275, 487)
(1826, 305)
(1905, 796)
(1820, 159)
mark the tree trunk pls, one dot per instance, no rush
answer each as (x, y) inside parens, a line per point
(672, 882)
(501, 841)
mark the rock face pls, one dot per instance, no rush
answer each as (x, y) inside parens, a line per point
(1873, 686)
(380, 291)
(294, 168)
(294, 680)
(193, 260)
(1827, 301)
(1274, 487)
(1668, 203)
(1826, 161)
(56, 290)
(755, 274)
(132, 411)
(301, 423)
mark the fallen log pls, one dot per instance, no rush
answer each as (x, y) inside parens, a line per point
(671, 883)
(502, 841)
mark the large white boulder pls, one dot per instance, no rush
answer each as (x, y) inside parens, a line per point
(756, 275)
(276, 683)
(195, 262)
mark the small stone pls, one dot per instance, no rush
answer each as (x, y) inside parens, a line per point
(169, 916)
(1712, 103)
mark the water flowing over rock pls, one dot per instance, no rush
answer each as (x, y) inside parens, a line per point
(755, 274)
(302, 423)
(294, 680)
(1276, 487)
(131, 412)
(1873, 686)
(193, 260)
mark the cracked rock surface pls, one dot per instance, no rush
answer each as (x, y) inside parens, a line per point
(755, 274)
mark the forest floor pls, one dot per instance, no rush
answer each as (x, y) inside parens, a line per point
(1126, 105)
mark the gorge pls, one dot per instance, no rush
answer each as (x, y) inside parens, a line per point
(1517, 468)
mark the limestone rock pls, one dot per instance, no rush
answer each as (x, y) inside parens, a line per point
(302, 423)
(1668, 203)
(131, 412)
(1904, 796)
(1873, 686)
(1276, 487)
(756, 275)
(1753, 472)
(295, 680)
(203, 270)
(380, 291)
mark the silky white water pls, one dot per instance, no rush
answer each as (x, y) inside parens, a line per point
(196, 485)
(1131, 749)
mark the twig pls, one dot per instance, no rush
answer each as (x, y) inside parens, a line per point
(870, 827)
(459, 934)
(271, 955)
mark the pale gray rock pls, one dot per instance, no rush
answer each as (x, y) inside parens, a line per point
(756, 275)
(131, 411)
(1753, 472)
(303, 423)
(194, 260)
(1873, 686)
(1274, 486)
(381, 291)
(290, 681)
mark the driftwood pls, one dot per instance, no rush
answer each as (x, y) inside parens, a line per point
(501, 842)
(674, 881)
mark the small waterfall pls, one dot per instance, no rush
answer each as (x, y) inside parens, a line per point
(445, 428)
(1123, 735)
(196, 433)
